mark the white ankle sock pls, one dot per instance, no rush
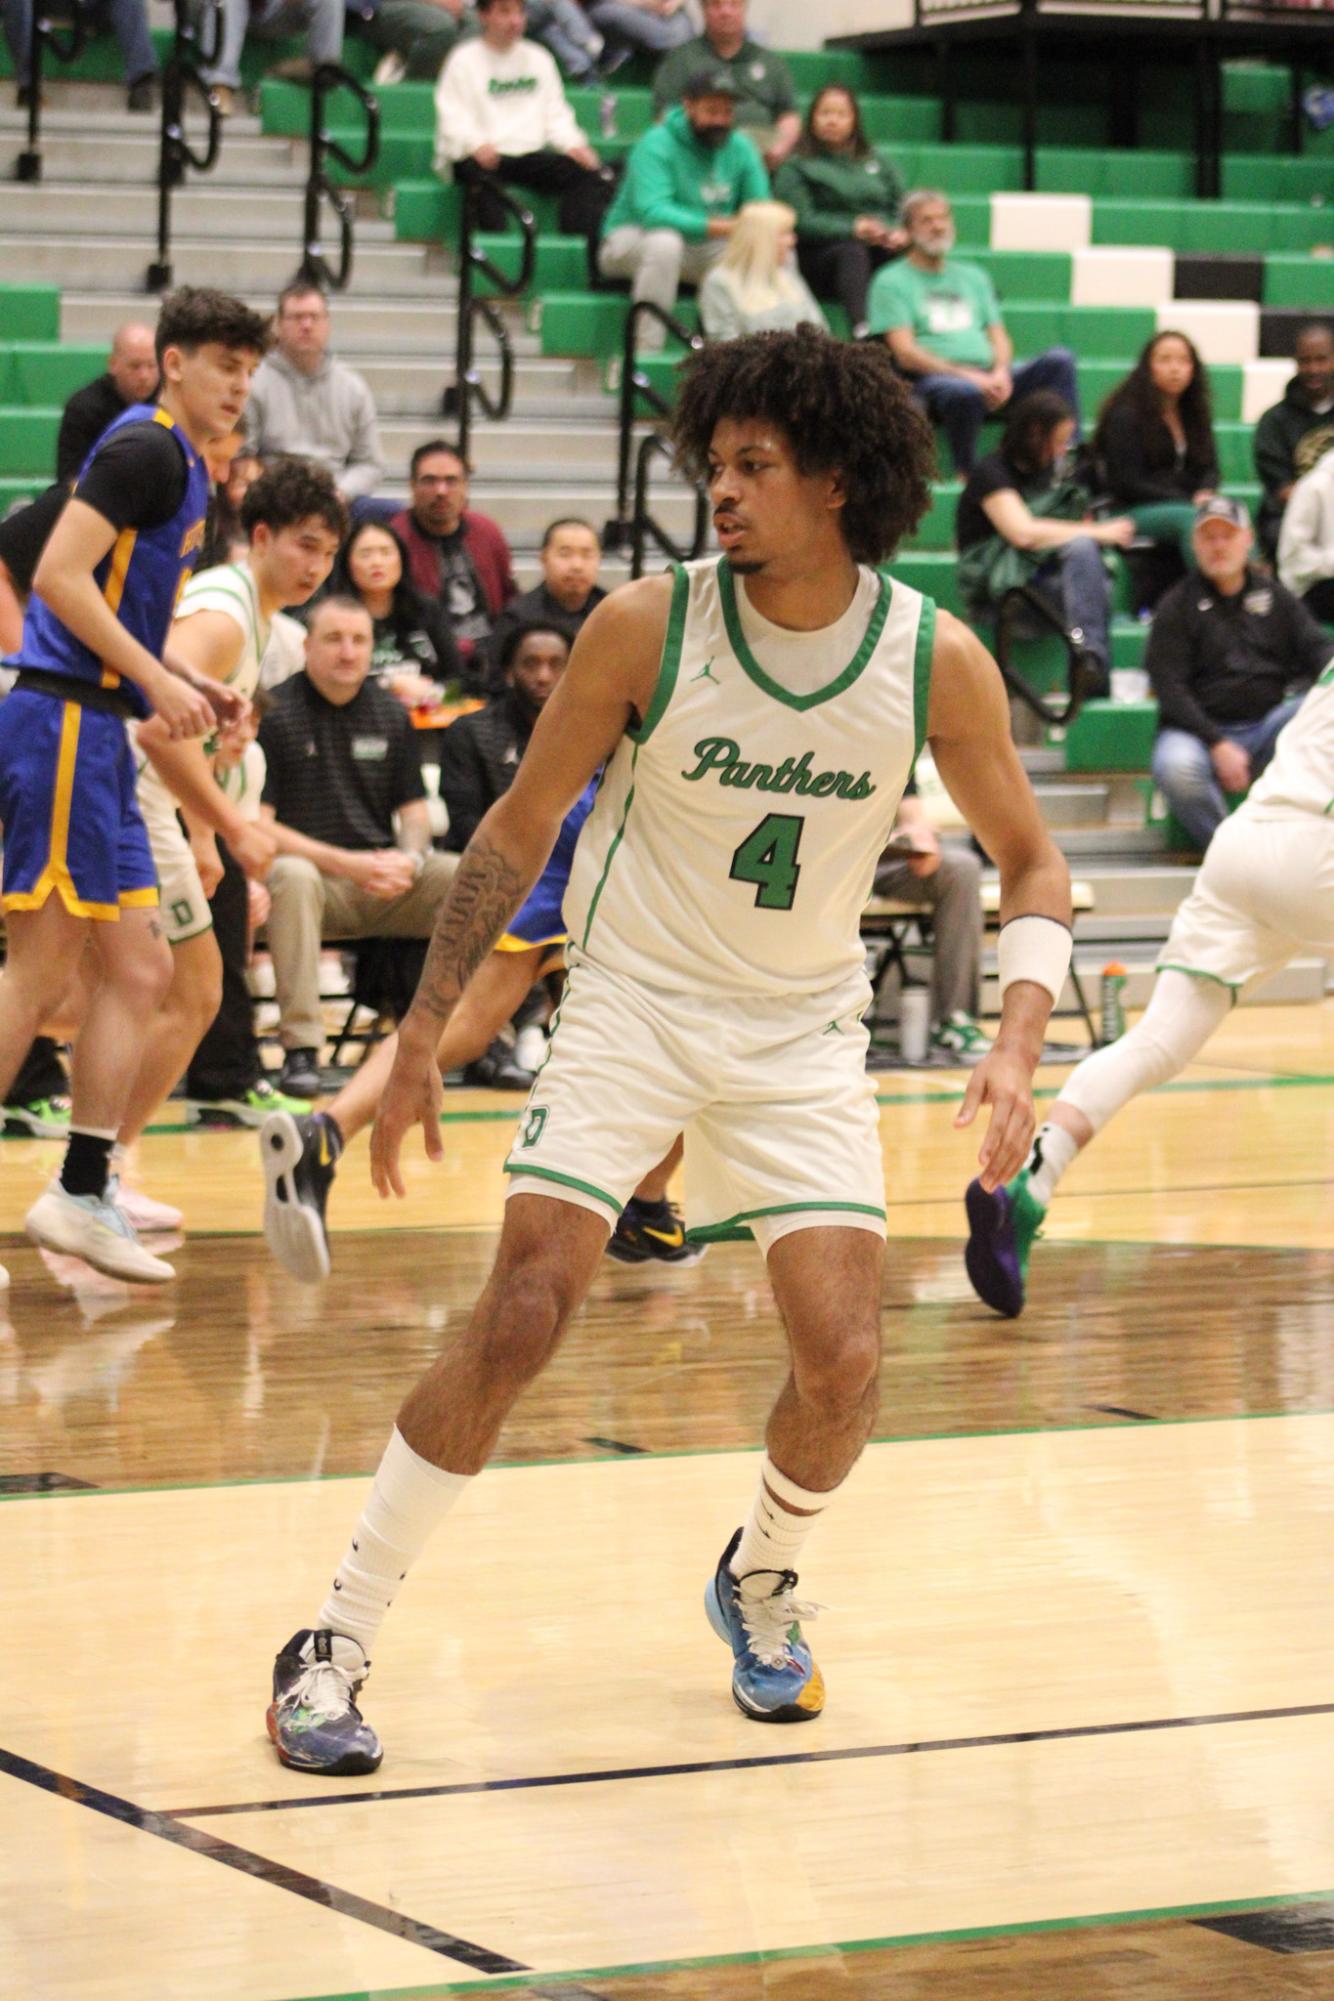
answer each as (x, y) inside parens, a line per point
(1052, 1152)
(410, 1497)
(773, 1536)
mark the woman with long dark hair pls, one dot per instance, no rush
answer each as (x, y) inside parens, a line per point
(846, 200)
(414, 651)
(1154, 444)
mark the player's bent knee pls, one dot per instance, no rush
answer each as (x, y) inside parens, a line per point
(835, 1374)
(525, 1320)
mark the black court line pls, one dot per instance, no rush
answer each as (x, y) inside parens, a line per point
(1120, 1410)
(614, 1445)
(278, 1874)
(45, 1483)
(695, 1767)
(1293, 1928)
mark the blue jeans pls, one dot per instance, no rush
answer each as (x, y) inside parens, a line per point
(958, 406)
(321, 20)
(563, 28)
(1183, 770)
(129, 24)
(628, 26)
(1074, 580)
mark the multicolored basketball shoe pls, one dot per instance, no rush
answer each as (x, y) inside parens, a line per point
(313, 1718)
(300, 1157)
(651, 1231)
(774, 1679)
(1001, 1229)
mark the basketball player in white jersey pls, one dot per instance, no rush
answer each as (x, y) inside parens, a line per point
(294, 520)
(1265, 892)
(758, 715)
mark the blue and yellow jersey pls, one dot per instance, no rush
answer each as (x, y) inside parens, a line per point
(141, 576)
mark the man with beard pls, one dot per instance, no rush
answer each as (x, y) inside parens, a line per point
(684, 183)
(942, 323)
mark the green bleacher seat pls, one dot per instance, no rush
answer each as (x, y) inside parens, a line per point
(1111, 736)
(426, 211)
(932, 571)
(1109, 171)
(28, 442)
(1129, 638)
(1235, 460)
(890, 122)
(1094, 332)
(633, 111)
(1305, 282)
(1218, 228)
(958, 170)
(30, 312)
(1026, 274)
(39, 371)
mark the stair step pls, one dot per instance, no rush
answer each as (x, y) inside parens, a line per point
(200, 211)
(103, 263)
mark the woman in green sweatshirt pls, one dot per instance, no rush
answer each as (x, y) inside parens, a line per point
(846, 198)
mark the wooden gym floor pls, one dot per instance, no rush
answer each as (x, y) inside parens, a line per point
(1080, 1628)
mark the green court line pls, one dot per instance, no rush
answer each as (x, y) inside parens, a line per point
(1284, 1080)
(668, 1452)
(962, 1935)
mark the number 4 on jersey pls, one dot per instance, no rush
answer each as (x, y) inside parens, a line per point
(768, 858)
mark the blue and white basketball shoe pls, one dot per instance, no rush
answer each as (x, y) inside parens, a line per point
(313, 1718)
(774, 1679)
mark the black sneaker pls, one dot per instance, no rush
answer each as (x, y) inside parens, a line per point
(300, 1074)
(300, 1157)
(313, 1719)
(649, 1230)
(142, 93)
(498, 1071)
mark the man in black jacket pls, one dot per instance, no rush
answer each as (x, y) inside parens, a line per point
(131, 377)
(479, 754)
(569, 590)
(1291, 436)
(1225, 652)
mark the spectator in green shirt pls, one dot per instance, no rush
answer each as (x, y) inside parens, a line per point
(942, 323)
(762, 81)
(846, 200)
(684, 183)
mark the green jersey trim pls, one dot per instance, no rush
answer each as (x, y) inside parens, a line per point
(921, 673)
(231, 580)
(611, 851)
(564, 1180)
(670, 665)
(737, 1227)
(737, 640)
(1197, 973)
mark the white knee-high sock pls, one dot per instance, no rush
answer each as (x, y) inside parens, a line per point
(409, 1498)
(1051, 1153)
(1182, 1014)
(773, 1536)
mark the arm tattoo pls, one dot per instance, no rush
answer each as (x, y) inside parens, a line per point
(482, 898)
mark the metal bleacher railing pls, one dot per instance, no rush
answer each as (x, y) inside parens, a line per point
(468, 385)
(197, 40)
(315, 266)
(637, 388)
(66, 44)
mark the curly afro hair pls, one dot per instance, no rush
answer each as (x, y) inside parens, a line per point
(292, 490)
(842, 408)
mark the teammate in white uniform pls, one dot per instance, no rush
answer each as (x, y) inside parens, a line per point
(1264, 893)
(758, 716)
(294, 520)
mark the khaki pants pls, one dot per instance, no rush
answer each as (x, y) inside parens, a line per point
(309, 908)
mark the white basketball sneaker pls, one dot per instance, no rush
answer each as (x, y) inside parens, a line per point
(93, 1228)
(140, 1211)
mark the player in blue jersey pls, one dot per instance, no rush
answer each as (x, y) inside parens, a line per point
(78, 874)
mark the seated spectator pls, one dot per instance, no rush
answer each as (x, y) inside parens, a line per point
(947, 882)
(341, 763)
(1306, 545)
(414, 654)
(1023, 520)
(413, 36)
(753, 287)
(942, 323)
(321, 21)
(569, 590)
(1225, 649)
(23, 536)
(1155, 454)
(131, 377)
(627, 26)
(305, 404)
(847, 203)
(234, 468)
(685, 182)
(479, 754)
(1291, 436)
(566, 32)
(501, 110)
(761, 81)
(458, 559)
(129, 24)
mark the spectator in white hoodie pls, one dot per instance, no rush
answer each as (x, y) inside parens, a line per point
(1306, 543)
(501, 112)
(306, 404)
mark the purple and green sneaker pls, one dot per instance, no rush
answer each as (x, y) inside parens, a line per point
(1001, 1229)
(313, 1719)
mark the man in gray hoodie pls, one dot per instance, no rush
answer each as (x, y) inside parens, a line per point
(305, 403)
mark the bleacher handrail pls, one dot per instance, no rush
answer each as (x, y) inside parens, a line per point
(66, 48)
(191, 47)
(458, 398)
(314, 265)
(635, 388)
(644, 528)
(1018, 605)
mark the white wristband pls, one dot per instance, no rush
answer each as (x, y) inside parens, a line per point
(1036, 949)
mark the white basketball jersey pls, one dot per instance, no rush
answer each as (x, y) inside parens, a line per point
(1299, 778)
(229, 588)
(734, 838)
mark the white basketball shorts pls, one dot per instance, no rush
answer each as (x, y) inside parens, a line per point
(1264, 893)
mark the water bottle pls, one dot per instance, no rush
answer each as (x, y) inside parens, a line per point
(607, 114)
(914, 1023)
(1112, 1007)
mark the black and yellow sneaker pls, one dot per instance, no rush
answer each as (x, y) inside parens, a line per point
(649, 1230)
(300, 1157)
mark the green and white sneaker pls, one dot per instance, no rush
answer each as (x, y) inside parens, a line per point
(1001, 1229)
(46, 1118)
(251, 1108)
(960, 1038)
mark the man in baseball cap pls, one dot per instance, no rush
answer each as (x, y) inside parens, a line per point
(761, 81)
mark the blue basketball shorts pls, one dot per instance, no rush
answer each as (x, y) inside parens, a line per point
(67, 805)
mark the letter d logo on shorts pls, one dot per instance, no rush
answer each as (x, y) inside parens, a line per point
(532, 1132)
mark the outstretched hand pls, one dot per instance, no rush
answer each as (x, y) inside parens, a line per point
(412, 1097)
(1004, 1081)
